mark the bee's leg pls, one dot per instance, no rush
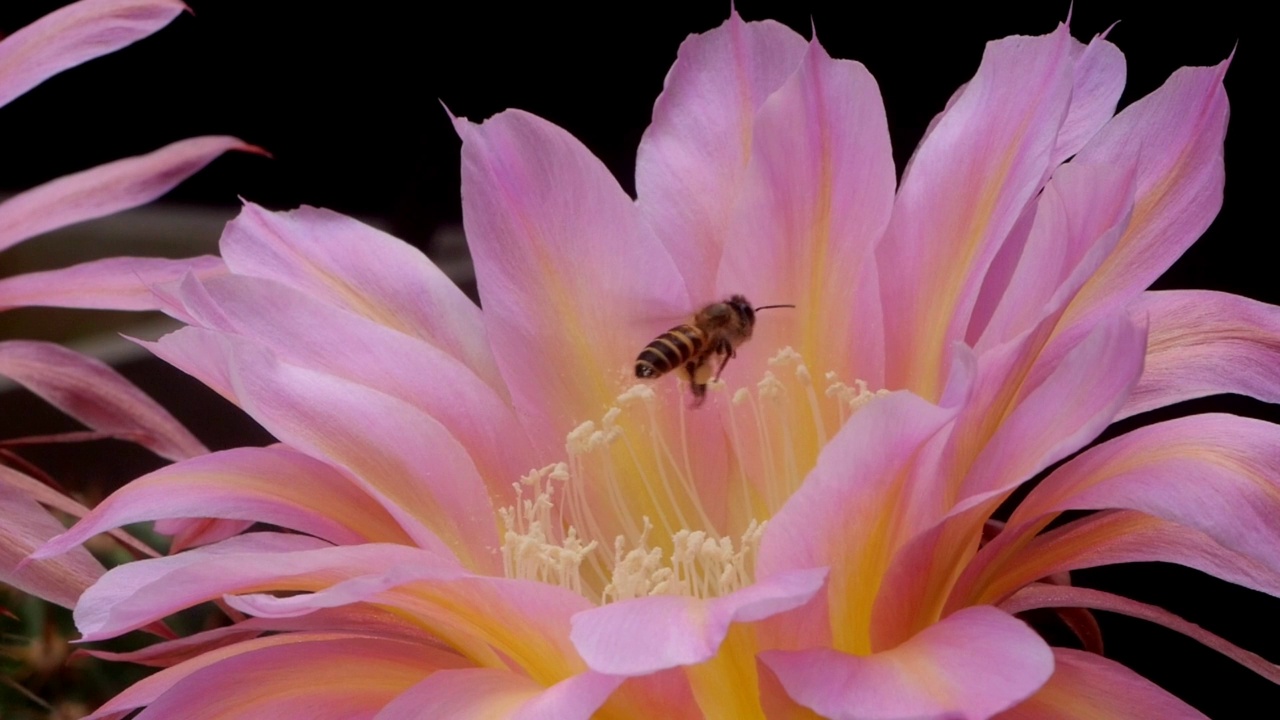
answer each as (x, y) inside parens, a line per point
(725, 351)
(699, 388)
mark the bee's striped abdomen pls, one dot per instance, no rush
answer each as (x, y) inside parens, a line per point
(669, 351)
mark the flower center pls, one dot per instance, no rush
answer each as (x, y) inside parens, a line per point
(630, 482)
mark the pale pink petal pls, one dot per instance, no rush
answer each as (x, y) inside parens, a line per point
(25, 526)
(567, 270)
(693, 155)
(1215, 473)
(269, 485)
(1204, 343)
(194, 532)
(112, 187)
(92, 392)
(402, 457)
(835, 519)
(339, 679)
(495, 621)
(974, 663)
(1056, 417)
(1174, 139)
(362, 269)
(574, 284)
(1010, 562)
(1096, 87)
(483, 693)
(1085, 685)
(350, 346)
(343, 676)
(968, 183)
(119, 283)
(200, 353)
(645, 635)
(1079, 218)
(816, 197)
(133, 594)
(1062, 413)
(75, 34)
(1055, 596)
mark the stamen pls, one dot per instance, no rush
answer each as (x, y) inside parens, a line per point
(550, 537)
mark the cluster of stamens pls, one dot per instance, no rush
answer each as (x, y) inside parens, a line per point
(630, 477)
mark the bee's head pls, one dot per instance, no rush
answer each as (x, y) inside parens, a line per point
(739, 306)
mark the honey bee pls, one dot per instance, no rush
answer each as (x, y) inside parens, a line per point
(717, 329)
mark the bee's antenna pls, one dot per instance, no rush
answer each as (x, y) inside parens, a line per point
(767, 307)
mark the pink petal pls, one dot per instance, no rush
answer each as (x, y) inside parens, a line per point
(133, 594)
(645, 635)
(269, 485)
(837, 517)
(402, 457)
(90, 391)
(1215, 473)
(1174, 139)
(1205, 343)
(693, 155)
(1085, 685)
(574, 285)
(74, 34)
(120, 283)
(567, 271)
(495, 621)
(305, 331)
(1079, 218)
(974, 663)
(318, 676)
(112, 187)
(1013, 559)
(200, 353)
(486, 693)
(25, 526)
(1053, 596)
(1057, 417)
(1064, 412)
(1098, 81)
(364, 270)
(969, 181)
(816, 197)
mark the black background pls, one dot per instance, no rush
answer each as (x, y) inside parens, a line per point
(346, 102)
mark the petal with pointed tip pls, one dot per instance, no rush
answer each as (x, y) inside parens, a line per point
(1052, 596)
(270, 485)
(401, 456)
(565, 267)
(341, 343)
(1010, 562)
(817, 196)
(1085, 685)
(362, 269)
(693, 155)
(109, 188)
(92, 392)
(133, 594)
(1205, 343)
(1215, 473)
(75, 34)
(968, 182)
(1174, 138)
(121, 283)
(25, 526)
